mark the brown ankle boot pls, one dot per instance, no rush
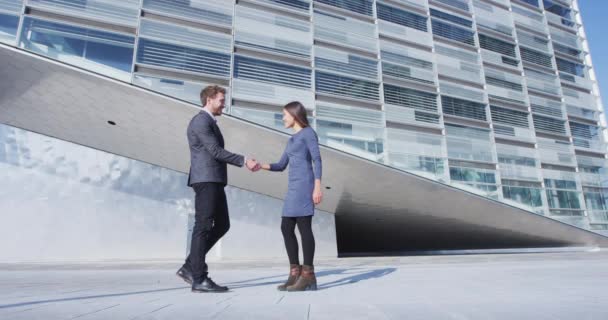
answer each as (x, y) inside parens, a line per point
(306, 281)
(294, 273)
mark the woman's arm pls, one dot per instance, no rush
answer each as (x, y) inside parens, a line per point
(279, 166)
(312, 143)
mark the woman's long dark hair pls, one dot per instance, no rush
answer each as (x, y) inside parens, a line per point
(298, 112)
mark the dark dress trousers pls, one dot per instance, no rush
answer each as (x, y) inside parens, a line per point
(208, 177)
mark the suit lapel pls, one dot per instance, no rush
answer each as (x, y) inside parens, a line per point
(219, 133)
(216, 129)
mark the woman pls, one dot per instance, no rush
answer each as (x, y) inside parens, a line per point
(303, 193)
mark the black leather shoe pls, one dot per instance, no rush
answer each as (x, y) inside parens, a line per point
(185, 275)
(208, 286)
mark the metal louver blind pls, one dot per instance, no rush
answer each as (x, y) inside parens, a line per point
(358, 6)
(536, 57)
(182, 58)
(410, 98)
(504, 84)
(426, 117)
(347, 63)
(575, 53)
(184, 36)
(401, 17)
(453, 130)
(456, 54)
(496, 45)
(565, 38)
(403, 72)
(532, 40)
(460, 91)
(12, 6)
(463, 108)
(452, 32)
(213, 11)
(272, 72)
(576, 69)
(350, 115)
(532, 2)
(508, 116)
(292, 4)
(345, 31)
(462, 5)
(405, 60)
(272, 32)
(584, 131)
(451, 18)
(345, 86)
(549, 124)
(556, 112)
(123, 12)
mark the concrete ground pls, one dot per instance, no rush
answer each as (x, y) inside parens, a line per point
(566, 285)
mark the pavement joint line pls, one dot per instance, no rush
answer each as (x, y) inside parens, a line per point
(151, 312)
(227, 299)
(28, 309)
(220, 311)
(74, 291)
(93, 312)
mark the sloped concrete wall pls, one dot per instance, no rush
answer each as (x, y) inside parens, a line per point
(64, 202)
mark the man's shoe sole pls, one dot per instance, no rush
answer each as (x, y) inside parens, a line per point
(186, 279)
(209, 291)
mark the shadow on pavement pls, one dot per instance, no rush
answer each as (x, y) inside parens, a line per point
(27, 303)
(352, 275)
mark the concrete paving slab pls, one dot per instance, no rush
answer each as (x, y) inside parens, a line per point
(566, 285)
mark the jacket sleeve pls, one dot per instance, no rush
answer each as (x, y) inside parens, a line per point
(209, 141)
(281, 165)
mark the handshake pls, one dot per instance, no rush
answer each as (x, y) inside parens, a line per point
(253, 165)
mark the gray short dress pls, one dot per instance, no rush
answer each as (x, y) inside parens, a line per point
(301, 153)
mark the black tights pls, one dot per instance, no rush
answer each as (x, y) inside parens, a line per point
(288, 226)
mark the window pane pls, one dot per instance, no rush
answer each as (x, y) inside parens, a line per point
(12, 6)
(217, 12)
(401, 17)
(124, 12)
(358, 6)
(176, 57)
(187, 90)
(99, 51)
(8, 28)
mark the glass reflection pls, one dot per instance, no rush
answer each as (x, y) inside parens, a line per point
(363, 141)
(99, 51)
(8, 28)
(181, 89)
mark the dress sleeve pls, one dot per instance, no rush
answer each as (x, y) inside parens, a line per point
(282, 164)
(312, 143)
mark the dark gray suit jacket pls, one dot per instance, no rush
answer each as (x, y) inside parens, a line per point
(208, 158)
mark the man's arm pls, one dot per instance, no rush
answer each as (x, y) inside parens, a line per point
(210, 142)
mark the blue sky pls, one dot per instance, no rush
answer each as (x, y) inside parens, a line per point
(595, 20)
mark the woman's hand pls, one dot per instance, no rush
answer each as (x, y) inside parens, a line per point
(317, 195)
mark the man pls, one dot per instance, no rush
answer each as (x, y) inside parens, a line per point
(208, 178)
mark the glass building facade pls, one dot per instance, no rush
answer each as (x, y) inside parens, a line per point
(496, 97)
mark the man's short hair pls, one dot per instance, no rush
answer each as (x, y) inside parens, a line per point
(210, 92)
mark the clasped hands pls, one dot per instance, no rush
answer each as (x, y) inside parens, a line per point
(253, 165)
